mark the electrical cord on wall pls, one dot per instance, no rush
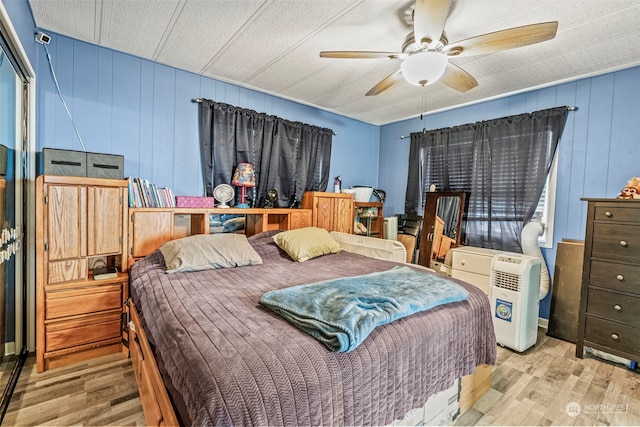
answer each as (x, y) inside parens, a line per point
(55, 80)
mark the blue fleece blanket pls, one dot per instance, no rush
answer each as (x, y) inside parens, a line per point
(341, 313)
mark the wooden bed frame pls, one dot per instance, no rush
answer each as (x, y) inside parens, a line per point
(157, 406)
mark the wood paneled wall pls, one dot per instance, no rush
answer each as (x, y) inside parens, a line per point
(597, 154)
(143, 110)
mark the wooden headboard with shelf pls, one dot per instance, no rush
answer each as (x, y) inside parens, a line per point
(150, 228)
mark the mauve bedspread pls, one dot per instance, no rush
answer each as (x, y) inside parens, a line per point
(233, 362)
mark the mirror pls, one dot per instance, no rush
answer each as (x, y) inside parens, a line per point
(13, 350)
(443, 212)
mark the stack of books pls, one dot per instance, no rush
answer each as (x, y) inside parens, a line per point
(143, 194)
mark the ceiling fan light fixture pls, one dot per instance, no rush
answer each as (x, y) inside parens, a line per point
(424, 68)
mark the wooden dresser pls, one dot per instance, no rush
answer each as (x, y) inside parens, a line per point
(331, 211)
(80, 226)
(609, 317)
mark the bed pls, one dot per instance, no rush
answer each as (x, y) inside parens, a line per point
(205, 352)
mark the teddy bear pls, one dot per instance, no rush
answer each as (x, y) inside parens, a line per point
(631, 190)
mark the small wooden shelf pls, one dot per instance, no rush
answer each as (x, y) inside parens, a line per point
(90, 281)
(371, 215)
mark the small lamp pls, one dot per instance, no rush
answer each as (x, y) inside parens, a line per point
(244, 177)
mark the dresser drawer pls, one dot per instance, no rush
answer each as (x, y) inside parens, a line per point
(617, 213)
(619, 277)
(83, 301)
(614, 306)
(473, 260)
(616, 242)
(614, 335)
(62, 335)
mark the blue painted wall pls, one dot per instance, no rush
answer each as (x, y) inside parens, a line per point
(22, 20)
(596, 155)
(126, 105)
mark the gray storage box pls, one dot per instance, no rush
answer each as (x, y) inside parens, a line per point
(64, 162)
(105, 166)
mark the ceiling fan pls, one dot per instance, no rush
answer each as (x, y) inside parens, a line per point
(426, 51)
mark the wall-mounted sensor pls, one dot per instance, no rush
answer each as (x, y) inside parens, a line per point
(42, 38)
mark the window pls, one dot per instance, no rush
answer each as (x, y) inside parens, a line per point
(503, 164)
(289, 157)
(546, 206)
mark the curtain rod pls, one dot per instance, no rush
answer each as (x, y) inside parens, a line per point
(424, 130)
(199, 101)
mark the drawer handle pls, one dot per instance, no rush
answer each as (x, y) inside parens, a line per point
(615, 336)
(608, 214)
(463, 262)
(623, 243)
(620, 277)
(617, 307)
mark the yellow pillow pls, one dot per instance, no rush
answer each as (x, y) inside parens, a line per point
(305, 243)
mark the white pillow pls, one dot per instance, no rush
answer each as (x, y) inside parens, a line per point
(208, 251)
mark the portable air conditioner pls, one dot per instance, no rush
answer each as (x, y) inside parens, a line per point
(515, 290)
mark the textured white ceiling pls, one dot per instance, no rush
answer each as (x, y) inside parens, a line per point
(273, 45)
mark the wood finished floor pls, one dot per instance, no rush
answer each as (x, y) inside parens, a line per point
(534, 388)
(6, 367)
(101, 391)
(529, 388)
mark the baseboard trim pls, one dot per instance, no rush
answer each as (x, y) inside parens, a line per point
(9, 348)
(543, 323)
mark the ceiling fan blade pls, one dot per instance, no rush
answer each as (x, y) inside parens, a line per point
(355, 54)
(385, 83)
(458, 79)
(429, 17)
(502, 40)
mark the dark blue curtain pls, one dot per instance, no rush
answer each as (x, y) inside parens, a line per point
(290, 157)
(502, 164)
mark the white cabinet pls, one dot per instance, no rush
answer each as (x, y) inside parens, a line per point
(473, 265)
